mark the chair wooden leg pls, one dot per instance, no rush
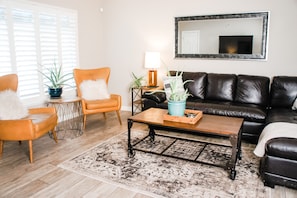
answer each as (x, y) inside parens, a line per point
(85, 119)
(1, 147)
(55, 135)
(119, 117)
(104, 114)
(31, 151)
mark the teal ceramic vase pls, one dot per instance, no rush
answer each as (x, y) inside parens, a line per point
(176, 108)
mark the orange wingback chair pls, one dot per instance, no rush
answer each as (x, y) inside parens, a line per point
(114, 103)
(37, 123)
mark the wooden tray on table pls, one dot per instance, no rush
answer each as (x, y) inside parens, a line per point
(190, 117)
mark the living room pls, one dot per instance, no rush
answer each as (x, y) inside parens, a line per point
(117, 34)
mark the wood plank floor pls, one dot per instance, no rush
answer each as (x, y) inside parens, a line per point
(19, 178)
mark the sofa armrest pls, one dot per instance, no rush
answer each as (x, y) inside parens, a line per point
(157, 97)
(282, 147)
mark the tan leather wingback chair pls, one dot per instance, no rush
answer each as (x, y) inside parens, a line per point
(97, 106)
(39, 121)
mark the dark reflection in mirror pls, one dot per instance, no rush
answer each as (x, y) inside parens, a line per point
(229, 36)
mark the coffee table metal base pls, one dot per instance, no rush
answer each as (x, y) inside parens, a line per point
(230, 166)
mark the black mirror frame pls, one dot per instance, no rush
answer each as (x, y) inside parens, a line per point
(263, 54)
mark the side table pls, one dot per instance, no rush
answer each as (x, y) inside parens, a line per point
(70, 119)
(136, 95)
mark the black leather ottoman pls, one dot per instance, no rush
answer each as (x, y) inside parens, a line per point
(279, 165)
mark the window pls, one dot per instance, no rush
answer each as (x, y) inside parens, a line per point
(33, 37)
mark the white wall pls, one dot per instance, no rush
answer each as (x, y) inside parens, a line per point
(120, 35)
(132, 27)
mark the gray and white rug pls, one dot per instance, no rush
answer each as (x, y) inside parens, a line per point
(168, 177)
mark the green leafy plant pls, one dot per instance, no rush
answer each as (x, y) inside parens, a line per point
(56, 77)
(175, 93)
(137, 82)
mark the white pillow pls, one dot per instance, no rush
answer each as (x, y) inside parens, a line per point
(167, 81)
(11, 107)
(294, 107)
(94, 90)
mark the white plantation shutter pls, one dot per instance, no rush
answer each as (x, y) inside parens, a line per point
(49, 46)
(5, 61)
(33, 37)
(25, 52)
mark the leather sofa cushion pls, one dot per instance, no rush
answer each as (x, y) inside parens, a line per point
(197, 88)
(249, 112)
(252, 90)
(283, 91)
(221, 87)
(282, 147)
(281, 115)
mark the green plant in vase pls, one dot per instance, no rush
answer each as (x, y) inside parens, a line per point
(176, 89)
(56, 79)
(176, 94)
(137, 82)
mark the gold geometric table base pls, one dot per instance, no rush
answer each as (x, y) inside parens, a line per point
(70, 118)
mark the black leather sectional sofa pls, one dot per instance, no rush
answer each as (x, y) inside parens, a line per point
(260, 101)
(224, 94)
(279, 164)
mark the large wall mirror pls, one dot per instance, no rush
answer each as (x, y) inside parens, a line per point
(224, 36)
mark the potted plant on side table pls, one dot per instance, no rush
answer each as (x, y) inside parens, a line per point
(56, 80)
(137, 82)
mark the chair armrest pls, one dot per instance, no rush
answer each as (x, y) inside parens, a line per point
(21, 129)
(118, 98)
(42, 110)
(115, 96)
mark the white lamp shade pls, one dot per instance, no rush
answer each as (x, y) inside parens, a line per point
(152, 60)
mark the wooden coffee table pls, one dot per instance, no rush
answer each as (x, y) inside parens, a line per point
(224, 126)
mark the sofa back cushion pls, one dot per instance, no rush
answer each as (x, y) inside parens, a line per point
(252, 90)
(197, 88)
(221, 87)
(283, 91)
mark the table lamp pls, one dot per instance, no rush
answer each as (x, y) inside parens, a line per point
(152, 62)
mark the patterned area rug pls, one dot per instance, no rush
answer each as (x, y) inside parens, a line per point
(169, 177)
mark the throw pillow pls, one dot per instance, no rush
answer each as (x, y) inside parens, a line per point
(294, 107)
(168, 81)
(11, 107)
(94, 90)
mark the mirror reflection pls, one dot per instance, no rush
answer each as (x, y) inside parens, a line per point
(238, 36)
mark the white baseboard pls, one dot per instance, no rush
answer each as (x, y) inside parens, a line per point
(126, 108)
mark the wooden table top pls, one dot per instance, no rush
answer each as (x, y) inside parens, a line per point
(63, 99)
(212, 124)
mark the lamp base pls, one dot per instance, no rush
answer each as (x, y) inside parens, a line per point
(152, 78)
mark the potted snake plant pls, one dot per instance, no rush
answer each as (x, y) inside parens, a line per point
(175, 92)
(56, 80)
(177, 95)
